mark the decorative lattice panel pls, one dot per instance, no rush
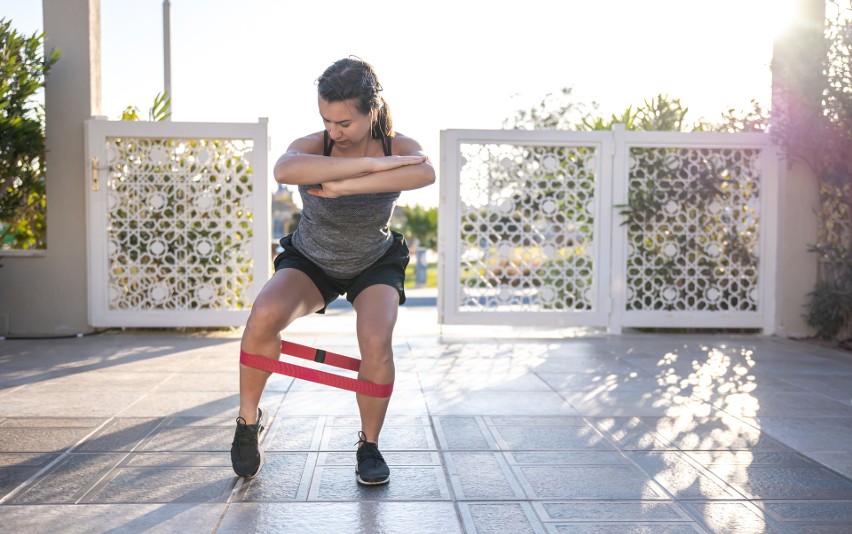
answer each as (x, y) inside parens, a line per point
(179, 224)
(526, 227)
(693, 227)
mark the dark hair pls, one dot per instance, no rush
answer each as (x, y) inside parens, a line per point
(354, 79)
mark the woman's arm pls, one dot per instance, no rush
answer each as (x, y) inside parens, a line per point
(304, 164)
(414, 174)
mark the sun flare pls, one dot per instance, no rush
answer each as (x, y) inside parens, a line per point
(780, 15)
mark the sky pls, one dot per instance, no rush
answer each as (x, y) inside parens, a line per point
(444, 64)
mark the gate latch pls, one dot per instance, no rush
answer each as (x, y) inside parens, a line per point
(96, 183)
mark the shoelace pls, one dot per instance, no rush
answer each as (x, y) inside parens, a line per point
(244, 430)
(367, 449)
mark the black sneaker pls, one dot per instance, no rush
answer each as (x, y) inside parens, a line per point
(246, 454)
(372, 469)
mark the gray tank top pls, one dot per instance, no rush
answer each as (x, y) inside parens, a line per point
(344, 235)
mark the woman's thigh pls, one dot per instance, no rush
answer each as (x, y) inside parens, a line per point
(376, 307)
(285, 297)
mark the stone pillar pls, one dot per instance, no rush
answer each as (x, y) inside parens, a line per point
(795, 64)
(798, 227)
(46, 294)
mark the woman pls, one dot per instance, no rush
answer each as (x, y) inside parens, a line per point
(350, 176)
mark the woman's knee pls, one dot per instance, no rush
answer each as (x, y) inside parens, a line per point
(376, 346)
(265, 319)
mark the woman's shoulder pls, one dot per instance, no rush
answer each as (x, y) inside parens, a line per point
(309, 144)
(403, 145)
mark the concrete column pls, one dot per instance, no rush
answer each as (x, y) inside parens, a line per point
(799, 186)
(47, 294)
(797, 268)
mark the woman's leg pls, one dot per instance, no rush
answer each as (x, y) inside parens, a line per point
(376, 308)
(288, 295)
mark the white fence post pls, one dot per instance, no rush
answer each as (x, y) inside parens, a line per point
(618, 240)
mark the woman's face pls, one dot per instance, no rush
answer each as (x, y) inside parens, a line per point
(344, 123)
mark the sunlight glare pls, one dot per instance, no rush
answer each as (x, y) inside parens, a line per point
(780, 16)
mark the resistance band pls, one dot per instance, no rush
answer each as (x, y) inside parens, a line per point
(314, 375)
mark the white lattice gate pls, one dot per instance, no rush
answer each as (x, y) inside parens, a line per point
(178, 222)
(608, 228)
(520, 241)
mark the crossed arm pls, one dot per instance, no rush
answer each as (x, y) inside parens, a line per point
(302, 164)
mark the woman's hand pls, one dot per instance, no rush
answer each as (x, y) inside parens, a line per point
(333, 189)
(388, 163)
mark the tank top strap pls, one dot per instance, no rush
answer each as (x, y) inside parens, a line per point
(386, 144)
(326, 143)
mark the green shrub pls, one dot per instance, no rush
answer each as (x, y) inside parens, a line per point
(23, 204)
(829, 309)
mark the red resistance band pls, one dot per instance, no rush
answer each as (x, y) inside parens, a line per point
(314, 375)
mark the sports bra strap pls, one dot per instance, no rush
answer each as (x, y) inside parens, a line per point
(328, 143)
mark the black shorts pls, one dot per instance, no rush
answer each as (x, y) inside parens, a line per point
(388, 270)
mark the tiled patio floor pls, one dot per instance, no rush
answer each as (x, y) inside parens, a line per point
(489, 430)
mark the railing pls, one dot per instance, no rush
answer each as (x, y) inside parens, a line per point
(613, 229)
